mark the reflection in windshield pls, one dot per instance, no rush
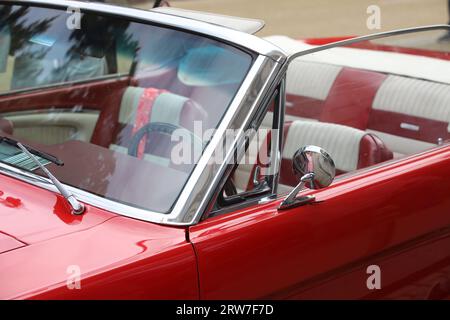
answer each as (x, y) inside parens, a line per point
(105, 94)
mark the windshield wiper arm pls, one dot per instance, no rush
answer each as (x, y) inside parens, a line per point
(38, 153)
(77, 207)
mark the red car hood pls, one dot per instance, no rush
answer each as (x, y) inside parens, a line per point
(8, 243)
(30, 214)
(40, 240)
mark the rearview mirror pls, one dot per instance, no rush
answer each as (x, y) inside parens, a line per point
(315, 170)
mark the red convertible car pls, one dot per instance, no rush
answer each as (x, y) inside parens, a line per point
(171, 154)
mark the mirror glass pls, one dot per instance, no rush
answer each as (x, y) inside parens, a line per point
(317, 163)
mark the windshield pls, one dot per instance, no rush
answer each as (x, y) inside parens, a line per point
(107, 95)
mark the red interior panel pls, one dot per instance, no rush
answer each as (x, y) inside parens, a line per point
(391, 122)
(304, 107)
(350, 99)
(91, 95)
(104, 96)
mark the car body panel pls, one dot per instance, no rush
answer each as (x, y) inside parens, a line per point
(9, 243)
(121, 258)
(261, 252)
(31, 214)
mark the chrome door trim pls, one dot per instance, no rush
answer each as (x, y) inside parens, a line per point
(278, 141)
(241, 39)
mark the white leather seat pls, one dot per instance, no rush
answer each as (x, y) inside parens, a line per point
(157, 106)
(350, 148)
(411, 115)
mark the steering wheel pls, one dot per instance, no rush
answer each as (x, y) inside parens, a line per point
(161, 127)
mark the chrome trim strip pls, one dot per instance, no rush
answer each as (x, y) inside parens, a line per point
(242, 39)
(277, 146)
(368, 38)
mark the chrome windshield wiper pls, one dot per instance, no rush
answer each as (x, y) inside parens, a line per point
(77, 207)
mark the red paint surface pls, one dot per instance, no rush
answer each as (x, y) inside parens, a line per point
(9, 243)
(118, 257)
(323, 41)
(32, 214)
(315, 251)
(370, 218)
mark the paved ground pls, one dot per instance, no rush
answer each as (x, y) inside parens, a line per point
(310, 18)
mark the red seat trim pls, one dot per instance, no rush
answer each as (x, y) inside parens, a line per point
(351, 96)
(390, 122)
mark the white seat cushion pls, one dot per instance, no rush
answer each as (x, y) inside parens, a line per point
(341, 142)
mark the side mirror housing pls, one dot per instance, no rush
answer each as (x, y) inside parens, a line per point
(315, 170)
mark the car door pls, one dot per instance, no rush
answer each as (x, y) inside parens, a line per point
(395, 217)
(382, 231)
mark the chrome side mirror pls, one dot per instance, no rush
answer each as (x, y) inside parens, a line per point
(315, 169)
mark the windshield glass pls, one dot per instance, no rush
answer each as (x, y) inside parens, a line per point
(107, 95)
